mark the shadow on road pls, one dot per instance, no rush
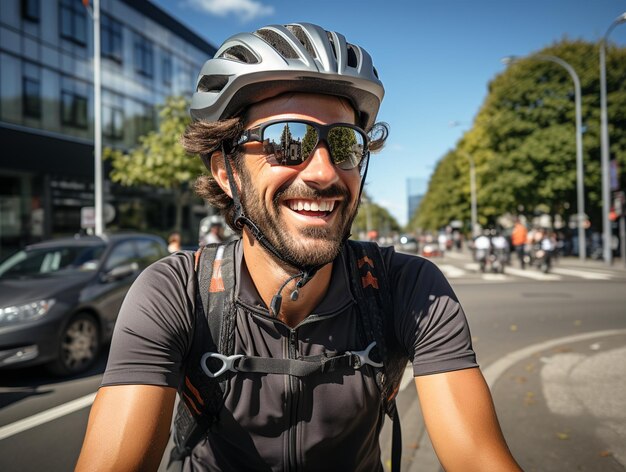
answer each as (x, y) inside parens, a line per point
(17, 384)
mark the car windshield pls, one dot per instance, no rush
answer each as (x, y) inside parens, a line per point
(50, 260)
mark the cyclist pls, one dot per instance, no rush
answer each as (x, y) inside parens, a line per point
(284, 118)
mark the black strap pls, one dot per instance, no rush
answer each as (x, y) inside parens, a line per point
(301, 367)
(376, 307)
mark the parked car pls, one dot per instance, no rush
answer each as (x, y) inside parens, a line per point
(407, 244)
(59, 299)
(431, 249)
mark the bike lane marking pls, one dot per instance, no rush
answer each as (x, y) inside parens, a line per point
(582, 274)
(531, 274)
(46, 416)
(451, 271)
(493, 371)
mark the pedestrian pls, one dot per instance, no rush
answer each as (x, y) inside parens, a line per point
(173, 242)
(321, 95)
(212, 230)
(518, 241)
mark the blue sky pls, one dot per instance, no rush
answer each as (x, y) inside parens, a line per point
(435, 58)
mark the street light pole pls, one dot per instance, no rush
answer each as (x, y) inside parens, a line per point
(580, 188)
(97, 118)
(604, 135)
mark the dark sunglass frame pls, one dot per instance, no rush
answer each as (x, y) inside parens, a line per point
(257, 134)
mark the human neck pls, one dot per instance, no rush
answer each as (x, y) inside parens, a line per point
(268, 277)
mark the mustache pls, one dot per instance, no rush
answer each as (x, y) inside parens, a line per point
(306, 192)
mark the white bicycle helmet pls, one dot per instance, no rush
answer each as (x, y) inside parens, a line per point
(298, 57)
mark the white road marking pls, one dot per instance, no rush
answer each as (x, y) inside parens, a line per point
(407, 377)
(451, 271)
(582, 274)
(495, 370)
(46, 416)
(495, 277)
(532, 274)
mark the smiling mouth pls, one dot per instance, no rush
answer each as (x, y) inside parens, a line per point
(313, 208)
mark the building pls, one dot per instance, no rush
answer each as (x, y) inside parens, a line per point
(416, 188)
(47, 109)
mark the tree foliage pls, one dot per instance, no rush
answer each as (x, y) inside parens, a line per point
(523, 141)
(372, 216)
(159, 160)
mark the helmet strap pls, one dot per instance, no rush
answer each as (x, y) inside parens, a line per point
(241, 220)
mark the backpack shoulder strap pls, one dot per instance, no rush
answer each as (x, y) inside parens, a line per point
(201, 397)
(377, 316)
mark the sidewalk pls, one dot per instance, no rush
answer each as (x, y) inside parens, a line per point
(561, 405)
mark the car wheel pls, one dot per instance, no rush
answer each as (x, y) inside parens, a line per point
(78, 347)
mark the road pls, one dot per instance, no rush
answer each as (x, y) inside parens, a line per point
(536, 338)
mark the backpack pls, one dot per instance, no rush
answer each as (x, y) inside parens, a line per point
(203, 391)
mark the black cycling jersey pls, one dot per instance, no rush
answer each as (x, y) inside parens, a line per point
(276, 422)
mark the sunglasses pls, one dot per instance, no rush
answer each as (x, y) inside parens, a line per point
(291, 142)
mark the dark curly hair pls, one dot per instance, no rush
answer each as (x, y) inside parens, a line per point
(204, 138)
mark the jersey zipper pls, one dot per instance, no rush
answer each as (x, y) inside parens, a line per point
(294, 387)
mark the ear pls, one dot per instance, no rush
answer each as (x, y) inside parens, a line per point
(218, 169)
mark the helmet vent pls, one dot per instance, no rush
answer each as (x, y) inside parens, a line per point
(332, 43)
(353, 59)
(212, 83)
(301, 36)
(277, 42)
(239, 53)
(375, 72)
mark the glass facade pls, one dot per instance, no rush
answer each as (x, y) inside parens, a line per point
(47, 109)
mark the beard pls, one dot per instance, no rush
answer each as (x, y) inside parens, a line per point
(310, 246)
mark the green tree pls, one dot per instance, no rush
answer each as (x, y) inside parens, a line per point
(309, 141)
(378, 217)
(523, 141)
(342, 141)
(285, 137)
(159, 160)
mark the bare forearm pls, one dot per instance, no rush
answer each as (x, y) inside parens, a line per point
(462, 423)
(128, 429)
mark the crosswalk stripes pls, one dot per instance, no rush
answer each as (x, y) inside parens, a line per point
(585, 275)
(532, 274)
(472, 271)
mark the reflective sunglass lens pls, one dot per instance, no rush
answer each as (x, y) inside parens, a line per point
(346, 147)
(290, 143)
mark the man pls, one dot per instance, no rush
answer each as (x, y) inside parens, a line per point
(482, 249)
(211, 230)
(310, 89)
(173, 242)
(519, 237)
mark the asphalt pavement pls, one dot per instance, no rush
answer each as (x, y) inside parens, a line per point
(561, 403)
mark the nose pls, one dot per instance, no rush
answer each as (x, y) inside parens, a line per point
(319, 170)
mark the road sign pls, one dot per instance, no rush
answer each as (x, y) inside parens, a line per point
(88, 215)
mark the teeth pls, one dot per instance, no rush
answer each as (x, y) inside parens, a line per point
(324, 205)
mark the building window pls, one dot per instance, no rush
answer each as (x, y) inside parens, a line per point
(31, 97)
(111, 43)
(30, 10)
(112, 122)
(73, 109)
(145, 121)
(167, 70)
(74, 21)
(143, 56)
(112, 115)
(31, 90)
